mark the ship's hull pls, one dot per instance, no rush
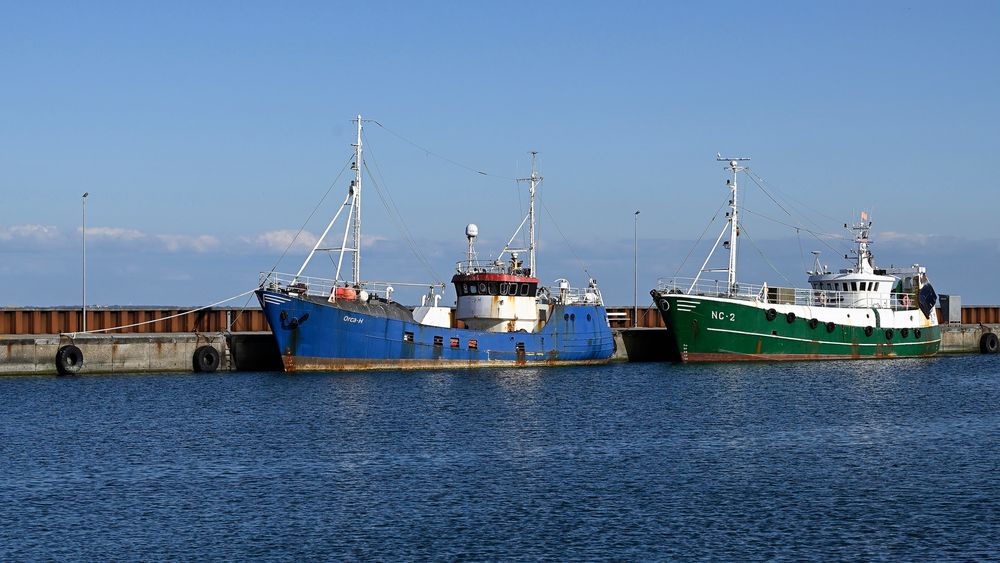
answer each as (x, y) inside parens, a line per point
(314, 335)
(721, 329)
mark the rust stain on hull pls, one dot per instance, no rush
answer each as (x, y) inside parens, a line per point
(297, 363)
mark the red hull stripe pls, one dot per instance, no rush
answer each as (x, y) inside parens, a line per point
(492, 277)
(729, 357)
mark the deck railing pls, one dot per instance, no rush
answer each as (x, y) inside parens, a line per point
(324, 287)
(789, 295)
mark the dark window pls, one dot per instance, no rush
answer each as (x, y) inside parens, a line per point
(503, 288)
(438, 340)
(493, 288)
(854, 286)
(524, 289)
(407, 337)
(473, 345)
(454, 342)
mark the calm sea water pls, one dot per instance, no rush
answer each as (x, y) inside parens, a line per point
(844, 460)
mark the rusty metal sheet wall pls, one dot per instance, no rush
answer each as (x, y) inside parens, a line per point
(57, 320)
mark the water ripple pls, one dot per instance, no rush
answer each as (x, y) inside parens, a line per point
(842, 460)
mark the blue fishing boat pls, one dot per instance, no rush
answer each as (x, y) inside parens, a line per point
(503, 315)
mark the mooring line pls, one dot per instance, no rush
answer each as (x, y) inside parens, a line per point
(75, 334)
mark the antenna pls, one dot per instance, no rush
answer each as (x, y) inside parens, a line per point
(534, 179)
(734, 222)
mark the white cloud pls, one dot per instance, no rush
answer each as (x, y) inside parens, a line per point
(196, 243)
(279, 240)
(892, 236)
(35, 233)
(114, 233)
(368, 241)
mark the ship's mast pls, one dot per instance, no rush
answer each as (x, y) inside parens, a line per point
(356, 263)
(863, 240)
(531, 213)
(734, 221)
(533, 180)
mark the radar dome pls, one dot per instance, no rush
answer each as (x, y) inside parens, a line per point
(472, 230)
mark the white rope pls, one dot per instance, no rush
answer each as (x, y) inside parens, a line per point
(74, 334)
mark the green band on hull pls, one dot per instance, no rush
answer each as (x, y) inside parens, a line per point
(724, 329)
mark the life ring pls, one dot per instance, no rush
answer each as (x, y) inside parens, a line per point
(770, 314)
(206, 359)
(790, 317)
(69, 360)
(869, 330)
(989, 343)
(906, 301)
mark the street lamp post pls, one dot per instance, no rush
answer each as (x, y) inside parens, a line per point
(635, 272)
(85, 194)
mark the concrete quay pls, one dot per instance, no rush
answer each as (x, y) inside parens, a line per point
(138, 353)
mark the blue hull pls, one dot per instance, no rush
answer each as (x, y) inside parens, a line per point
(314, 335)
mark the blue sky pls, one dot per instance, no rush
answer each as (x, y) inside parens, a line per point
(206, 133)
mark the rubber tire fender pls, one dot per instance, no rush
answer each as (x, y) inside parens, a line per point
(916, 333)
(69, 360)
(790, 317)
(989, 343)
(888, 334)
(869, 330)
(813, 323)
(771, 314)
(206, 359)
(830, 326)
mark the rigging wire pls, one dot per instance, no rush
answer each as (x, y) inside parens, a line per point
(700, 237)
(442, 157)
(393, 211)
(816, 235)
(744, 232)
(315, 209)
(760, 183)
(583, 265)
(302, 228)
(390, 207)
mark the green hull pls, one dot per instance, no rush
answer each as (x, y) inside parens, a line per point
(710, 329)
